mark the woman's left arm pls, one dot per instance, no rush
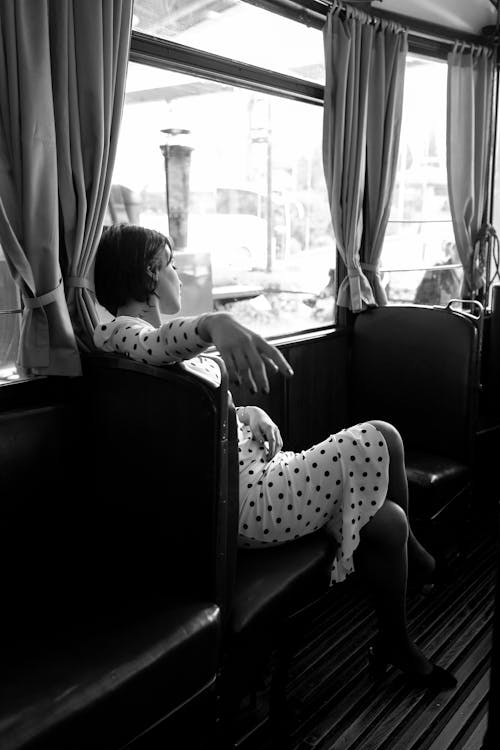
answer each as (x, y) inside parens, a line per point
(264, 430)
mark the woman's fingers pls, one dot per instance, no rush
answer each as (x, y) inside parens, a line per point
(275, 442)
(274, 357)
(279, 441)
(261, 436)
(247, 360)
(271, 452)
(232, 370)
(245, 365)
(258, 358)
(243, 370)
(256, 368)
(244, 351)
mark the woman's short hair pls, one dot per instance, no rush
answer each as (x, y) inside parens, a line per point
(127, 256)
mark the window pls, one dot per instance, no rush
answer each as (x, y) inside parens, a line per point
(419, 262)
(237, 30)
(235, 176)
(10, 323)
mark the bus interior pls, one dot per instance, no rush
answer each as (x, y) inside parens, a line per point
(327, 174)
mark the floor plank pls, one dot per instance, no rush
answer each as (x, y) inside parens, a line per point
(336, 704)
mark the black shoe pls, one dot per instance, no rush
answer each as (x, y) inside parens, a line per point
(440, 575)
(438, 679)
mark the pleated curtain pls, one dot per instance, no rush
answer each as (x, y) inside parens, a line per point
(62, 79)
(365, 63)
(468, 146)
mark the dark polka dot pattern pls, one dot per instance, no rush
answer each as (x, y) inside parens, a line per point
(341, 482)
(295, 494)
(175, 342)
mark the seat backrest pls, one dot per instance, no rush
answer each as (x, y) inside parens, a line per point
(160, 438)
(492, 361)
(39, 529)
(417, 367)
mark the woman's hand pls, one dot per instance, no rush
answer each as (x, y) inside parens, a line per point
(245, 353)
(263, 429)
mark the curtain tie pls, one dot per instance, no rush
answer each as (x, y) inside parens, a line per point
(79, 282)
(353, 273)
(44, 299)
(369, 267)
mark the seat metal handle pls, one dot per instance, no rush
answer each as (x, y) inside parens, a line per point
(463, 302)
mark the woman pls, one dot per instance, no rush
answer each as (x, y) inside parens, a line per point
(354, 482)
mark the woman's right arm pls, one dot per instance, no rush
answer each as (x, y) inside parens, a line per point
(245, 353)
(172, 342)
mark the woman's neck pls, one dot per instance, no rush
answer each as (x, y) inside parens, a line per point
(148, 312)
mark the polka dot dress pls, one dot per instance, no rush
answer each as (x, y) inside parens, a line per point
(341, 482)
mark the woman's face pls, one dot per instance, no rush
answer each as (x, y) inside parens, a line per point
(168, 288)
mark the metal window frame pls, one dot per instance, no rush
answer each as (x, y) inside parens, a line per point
(430, 40)
(314, 12)
(162, 53)
(424, 38)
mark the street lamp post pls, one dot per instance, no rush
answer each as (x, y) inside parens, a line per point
(261, 133)
(177, 159)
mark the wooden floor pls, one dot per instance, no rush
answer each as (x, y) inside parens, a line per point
(336, 706)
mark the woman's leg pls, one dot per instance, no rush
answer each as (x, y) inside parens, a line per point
(420, 561)
(381, 559)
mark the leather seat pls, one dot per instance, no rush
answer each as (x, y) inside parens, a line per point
(111, 628)
(265, 590)
(432, 477)
(257, 590)
(101, 683)
(418, 368)
(282, 579)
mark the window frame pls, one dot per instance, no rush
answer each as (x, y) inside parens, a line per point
(424, 38)
(157, 52)
(146, 49)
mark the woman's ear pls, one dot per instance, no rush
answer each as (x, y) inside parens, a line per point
(153, 274)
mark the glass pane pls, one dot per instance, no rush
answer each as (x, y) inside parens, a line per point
(9, 323)
(236, 30)
(9, 342)
(242, 175)
(419, 239)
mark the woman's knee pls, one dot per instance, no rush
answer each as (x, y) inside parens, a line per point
(392, 437)
(389, 526)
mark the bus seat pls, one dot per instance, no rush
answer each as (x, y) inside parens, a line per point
(489, 399)
(192, 443)
(111, 630)
(157, 429)
(269, 591)
(418, 368)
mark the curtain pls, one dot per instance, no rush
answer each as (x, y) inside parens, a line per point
(28, 188)
(364, 59)
(385, 112)
(90, 55)
(468, 141)
(62, 68)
